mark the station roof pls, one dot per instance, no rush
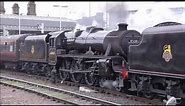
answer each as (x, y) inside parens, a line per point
(29, 22)
(32, 17)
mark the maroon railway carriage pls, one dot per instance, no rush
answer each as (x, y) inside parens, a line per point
(10, 50)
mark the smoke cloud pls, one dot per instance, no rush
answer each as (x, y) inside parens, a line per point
(116, 13)
(148, 17)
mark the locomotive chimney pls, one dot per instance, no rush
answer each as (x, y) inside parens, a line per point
(122, 26)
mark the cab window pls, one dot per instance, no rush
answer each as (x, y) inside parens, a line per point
(52, 42)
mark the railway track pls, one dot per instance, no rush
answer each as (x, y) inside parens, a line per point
(110, 95)
(62, 95)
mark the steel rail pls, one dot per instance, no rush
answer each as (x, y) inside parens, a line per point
(96, 100)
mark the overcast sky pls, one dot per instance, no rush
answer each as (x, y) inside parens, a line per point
(76, 10)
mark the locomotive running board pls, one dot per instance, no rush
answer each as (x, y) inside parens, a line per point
(161, 74)
(82, 56)
(78, 71)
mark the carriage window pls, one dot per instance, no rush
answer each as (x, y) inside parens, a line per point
(11, 47)
(5, 45)
(14, 46)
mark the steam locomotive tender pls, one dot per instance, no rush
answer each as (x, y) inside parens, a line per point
(157, 64)
(34, 55)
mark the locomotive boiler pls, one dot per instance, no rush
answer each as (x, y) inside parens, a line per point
(107, 42)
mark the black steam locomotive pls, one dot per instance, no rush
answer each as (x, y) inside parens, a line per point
(157, 64)
(91, 54)
(149, 63)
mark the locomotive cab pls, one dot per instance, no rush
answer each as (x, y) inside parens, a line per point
(57, 45)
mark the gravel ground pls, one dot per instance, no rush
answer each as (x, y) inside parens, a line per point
(121, 100)
(14, 96)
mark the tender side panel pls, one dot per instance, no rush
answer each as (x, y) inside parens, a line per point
(159, 53)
